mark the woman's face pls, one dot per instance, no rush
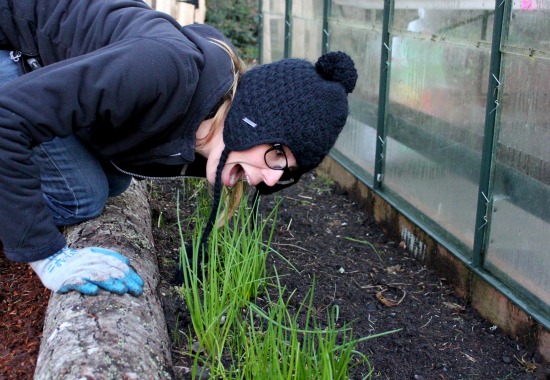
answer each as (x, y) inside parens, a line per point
(249, 165)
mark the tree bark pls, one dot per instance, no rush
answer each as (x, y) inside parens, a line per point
(110, 336)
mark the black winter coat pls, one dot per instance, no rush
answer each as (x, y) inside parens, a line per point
(129, 81)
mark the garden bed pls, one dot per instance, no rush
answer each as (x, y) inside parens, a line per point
(376, 285)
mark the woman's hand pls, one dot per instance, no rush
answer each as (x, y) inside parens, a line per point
(86, 270)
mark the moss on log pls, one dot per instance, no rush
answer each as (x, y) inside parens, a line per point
(110, 336)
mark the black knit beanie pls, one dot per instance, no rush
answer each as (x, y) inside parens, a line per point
(294, 103)
(291, 102)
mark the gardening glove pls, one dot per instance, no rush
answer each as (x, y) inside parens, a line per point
(88, 269)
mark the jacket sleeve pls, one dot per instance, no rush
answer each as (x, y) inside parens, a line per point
(124, 89)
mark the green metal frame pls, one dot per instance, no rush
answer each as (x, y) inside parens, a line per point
(288, 28)
(325, 47)
(380, 157)
(260, 31)
(486, 178)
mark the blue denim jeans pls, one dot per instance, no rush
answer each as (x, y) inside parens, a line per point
(75, 183)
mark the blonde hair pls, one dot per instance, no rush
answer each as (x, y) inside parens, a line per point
(232, 197)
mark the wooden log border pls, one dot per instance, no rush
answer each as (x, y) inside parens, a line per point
(110, 336)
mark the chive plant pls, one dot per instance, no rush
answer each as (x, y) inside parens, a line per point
(280, 347)
(239, 339)
(216, 289)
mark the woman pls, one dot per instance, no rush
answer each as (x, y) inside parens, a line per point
(113, 89)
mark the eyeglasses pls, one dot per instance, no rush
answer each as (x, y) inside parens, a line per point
(275, 158)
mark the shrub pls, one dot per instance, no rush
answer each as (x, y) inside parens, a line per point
(238, 21)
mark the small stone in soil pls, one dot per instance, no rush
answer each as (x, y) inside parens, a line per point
(371, 307)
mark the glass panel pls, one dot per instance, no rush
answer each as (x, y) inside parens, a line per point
(307, 29)
(358, 11)
(357, 31)
(436, 116)
(518, 250)
(357, 142)
(530, 26)
(451, 20)
(273, 33)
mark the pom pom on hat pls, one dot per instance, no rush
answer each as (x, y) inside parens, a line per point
(294, 103)
(338, 67)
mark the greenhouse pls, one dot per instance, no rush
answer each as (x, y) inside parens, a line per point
(448, 124)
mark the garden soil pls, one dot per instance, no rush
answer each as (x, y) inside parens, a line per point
(332, 243)
(375, 284)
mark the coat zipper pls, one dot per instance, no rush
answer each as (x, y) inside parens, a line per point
(32, 62)
(153, 178)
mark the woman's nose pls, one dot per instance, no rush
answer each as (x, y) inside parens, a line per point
(271, 176)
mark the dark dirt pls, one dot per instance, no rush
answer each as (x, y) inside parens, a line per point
(377, 285)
